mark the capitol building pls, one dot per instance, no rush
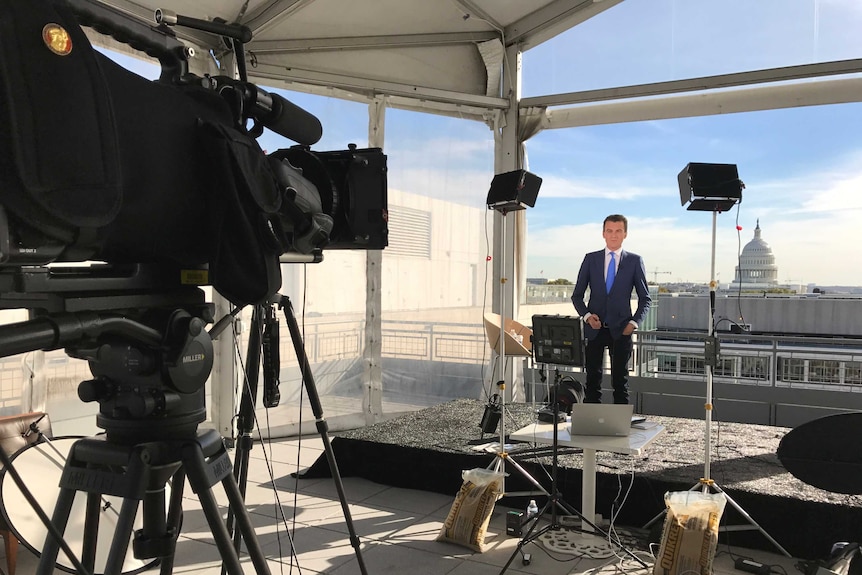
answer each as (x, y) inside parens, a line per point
(757, 269)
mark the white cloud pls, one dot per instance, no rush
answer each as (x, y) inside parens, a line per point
(805, 218)
(460, 186)
(554, 186)
(811, 224)
(834, 188)
(667, 244)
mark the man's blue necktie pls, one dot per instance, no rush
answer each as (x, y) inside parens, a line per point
(612, 272)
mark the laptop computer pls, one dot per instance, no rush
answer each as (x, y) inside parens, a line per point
(601, 419)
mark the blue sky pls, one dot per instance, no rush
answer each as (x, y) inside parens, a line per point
(801, 166)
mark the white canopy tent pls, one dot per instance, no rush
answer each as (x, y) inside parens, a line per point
(460, 58)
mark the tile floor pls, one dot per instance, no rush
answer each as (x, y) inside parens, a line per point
(396, 528)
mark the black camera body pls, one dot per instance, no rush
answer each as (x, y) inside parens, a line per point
(97, 163)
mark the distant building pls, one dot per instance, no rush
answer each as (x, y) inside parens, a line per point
(783, 359)
(803, 315)
(757, 269)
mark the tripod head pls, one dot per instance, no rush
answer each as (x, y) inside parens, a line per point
(142, 335)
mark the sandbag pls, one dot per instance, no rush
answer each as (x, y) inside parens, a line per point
(690, 534)
(471, 511)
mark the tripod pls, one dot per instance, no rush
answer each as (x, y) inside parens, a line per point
(555, 499)
(138, 474)
(264, 335)
(711, 359)
(42, 464)
(711, 352)
(150, 357)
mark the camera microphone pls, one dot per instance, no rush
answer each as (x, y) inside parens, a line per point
(289, 120)
(272, 111)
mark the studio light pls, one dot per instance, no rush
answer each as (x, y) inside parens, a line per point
(714, 188)
(509, 192)
(513, 191)
(710, 187)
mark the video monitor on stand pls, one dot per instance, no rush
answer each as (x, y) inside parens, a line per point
(558, 340)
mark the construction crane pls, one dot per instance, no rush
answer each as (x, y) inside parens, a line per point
(655, 273)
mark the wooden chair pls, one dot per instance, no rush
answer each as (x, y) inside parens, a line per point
(13, 430)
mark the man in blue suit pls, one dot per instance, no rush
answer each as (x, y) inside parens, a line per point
(611, 274)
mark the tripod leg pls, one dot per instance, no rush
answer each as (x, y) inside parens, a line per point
(60, 518)
(137, 474)
(245, 418)
(523, 542)
(91, 531)
(122, 536)
(322, 428)
(751, 521)
(529, 536)
(246, 529)
(175, 514)
(202, 474)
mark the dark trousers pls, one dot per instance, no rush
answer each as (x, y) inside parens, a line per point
(620, 351)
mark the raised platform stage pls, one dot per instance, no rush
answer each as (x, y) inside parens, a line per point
(427, 450)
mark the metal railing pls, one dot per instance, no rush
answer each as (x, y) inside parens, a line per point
(745, 361)
(772, 361)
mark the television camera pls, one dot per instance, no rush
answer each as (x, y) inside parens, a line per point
(164, 182)
(101, 164)
(164, 186)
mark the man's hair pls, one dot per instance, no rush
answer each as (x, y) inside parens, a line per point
(617, 218)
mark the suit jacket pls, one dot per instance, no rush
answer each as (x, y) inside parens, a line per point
(614, 308)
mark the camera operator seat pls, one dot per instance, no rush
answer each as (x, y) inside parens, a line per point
(16, 434)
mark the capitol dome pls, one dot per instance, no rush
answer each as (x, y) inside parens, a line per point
(757, 268)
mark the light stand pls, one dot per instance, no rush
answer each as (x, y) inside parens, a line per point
(501, 342)
(715, 188)
(505, 344)
(510, 191)
(263, 344)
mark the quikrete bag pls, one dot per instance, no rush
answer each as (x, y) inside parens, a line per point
(99, 163)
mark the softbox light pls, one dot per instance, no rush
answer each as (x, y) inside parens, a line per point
(710, 187)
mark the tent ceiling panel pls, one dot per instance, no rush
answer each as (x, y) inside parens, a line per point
(340, 19)
(427, 48)
(457, 68)
(409, 49)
